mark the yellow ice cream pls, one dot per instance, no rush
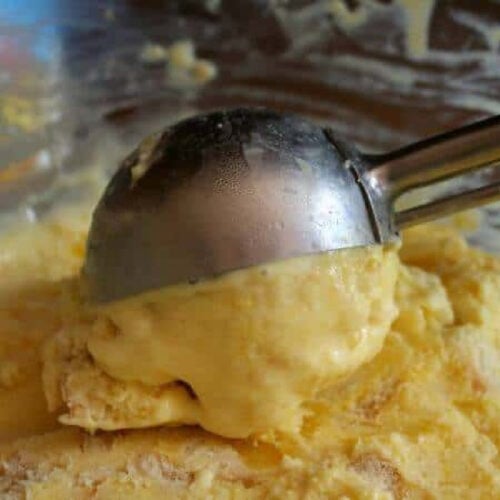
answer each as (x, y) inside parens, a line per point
(239, 355)
(417, 418)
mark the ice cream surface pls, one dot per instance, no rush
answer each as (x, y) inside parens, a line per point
(387, 362)
(240, 355)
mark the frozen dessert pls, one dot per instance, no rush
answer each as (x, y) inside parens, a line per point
(240, 355)
(369, 373)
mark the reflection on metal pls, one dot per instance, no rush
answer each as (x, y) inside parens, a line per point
(233, 189)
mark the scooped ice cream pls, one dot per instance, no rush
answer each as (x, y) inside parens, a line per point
(241, 354)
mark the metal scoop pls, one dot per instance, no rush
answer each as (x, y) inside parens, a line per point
(233, 189)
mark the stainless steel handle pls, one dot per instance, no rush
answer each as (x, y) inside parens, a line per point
(442, 157)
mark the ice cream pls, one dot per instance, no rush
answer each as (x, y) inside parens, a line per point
(240, 355)
(413, 415)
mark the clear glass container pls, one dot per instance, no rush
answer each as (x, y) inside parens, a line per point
(82, 82)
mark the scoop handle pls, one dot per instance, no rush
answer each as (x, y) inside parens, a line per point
(439, 158)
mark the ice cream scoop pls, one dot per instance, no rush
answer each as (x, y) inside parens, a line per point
(233, 189)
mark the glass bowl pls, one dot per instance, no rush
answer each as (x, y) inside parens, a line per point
(82, 82)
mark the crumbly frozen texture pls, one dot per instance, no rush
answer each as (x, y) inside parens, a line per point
(419, 420)
(37, 296)
(239, 355)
